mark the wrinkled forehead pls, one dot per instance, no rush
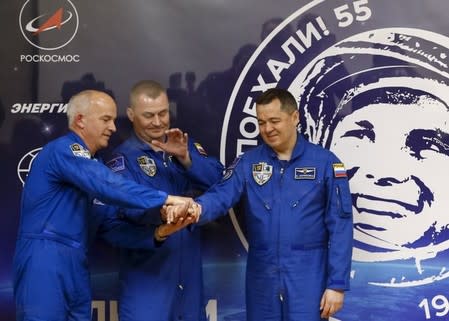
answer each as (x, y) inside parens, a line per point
(103, 105)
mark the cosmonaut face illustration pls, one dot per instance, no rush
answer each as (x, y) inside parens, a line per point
(380, 101)
(396, 156)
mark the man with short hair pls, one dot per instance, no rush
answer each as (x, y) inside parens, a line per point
(298, 212)
(51, 278)
(164, 283)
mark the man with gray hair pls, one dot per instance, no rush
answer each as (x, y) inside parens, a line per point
(51, 278)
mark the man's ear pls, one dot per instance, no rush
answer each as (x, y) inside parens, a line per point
(130, 113)
(80, 121)
(296, 115)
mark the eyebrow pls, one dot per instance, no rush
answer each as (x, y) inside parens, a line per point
(365, 124)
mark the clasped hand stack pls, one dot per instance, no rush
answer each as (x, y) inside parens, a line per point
(177, 213)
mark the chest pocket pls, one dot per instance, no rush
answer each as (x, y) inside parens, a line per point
(263, 193)
(303, 190)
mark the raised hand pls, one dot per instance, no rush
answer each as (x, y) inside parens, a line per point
(176, 145)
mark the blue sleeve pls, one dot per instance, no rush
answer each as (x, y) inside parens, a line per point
(98, 181)
(338, 221)
(118, 231)
(223, 195)
(205, 170)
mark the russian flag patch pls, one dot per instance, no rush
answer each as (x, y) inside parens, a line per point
(339, 170)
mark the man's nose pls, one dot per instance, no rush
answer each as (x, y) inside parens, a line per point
(112, 128)
(156, 120)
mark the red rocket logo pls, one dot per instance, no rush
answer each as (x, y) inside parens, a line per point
(55, 21)
(52, 28)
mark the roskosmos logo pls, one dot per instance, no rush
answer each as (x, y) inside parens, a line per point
(379, 98)
(49, 25)
(24, 165)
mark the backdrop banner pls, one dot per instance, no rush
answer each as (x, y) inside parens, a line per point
(371, 78)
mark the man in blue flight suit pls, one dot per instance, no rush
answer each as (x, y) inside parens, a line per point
(51, 279)
(299, 218)
(164, 283)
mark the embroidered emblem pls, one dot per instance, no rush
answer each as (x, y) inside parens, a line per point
(230, 170)
(117, 164)
(339, 170)
(79, 151)
(262, 172)
(200, 149)
(305, 173)
(147, 165)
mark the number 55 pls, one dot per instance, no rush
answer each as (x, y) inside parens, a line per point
(346, 18)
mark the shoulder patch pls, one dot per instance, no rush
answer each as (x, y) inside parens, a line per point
(200, 149)
(230, 169)
(79, 151)
(116, 164)
(339, 170)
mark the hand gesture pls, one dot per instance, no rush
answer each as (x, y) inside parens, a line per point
(171, 214)
(176, 145)
(175, 207)
(165, 230)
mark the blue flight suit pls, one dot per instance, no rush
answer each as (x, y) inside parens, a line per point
(51, 279)
(299, 228)
(163, 283)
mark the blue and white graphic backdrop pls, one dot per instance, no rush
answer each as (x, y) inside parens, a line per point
(372, 81)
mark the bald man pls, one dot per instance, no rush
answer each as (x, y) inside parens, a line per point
(51, 279)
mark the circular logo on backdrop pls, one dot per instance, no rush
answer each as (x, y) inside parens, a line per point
(378, 96)
(24, 165)
(48, 25)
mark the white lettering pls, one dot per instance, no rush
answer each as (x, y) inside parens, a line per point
(50, 58)
(243, 127)
(289, 52)
(15, 108)
(244, 142)
(98, 310)
(26, 108)
(307, 38)
(276, 67)
(248, 108)
(263, 86)
(62, 108)
(45, 107)
(38, 108)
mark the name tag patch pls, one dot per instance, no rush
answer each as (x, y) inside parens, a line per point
(305, 173)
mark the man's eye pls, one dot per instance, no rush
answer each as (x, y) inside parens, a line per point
(422, 140)
(361, 133)
(367, 131)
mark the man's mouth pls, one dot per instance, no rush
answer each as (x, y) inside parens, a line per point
(385, 207)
